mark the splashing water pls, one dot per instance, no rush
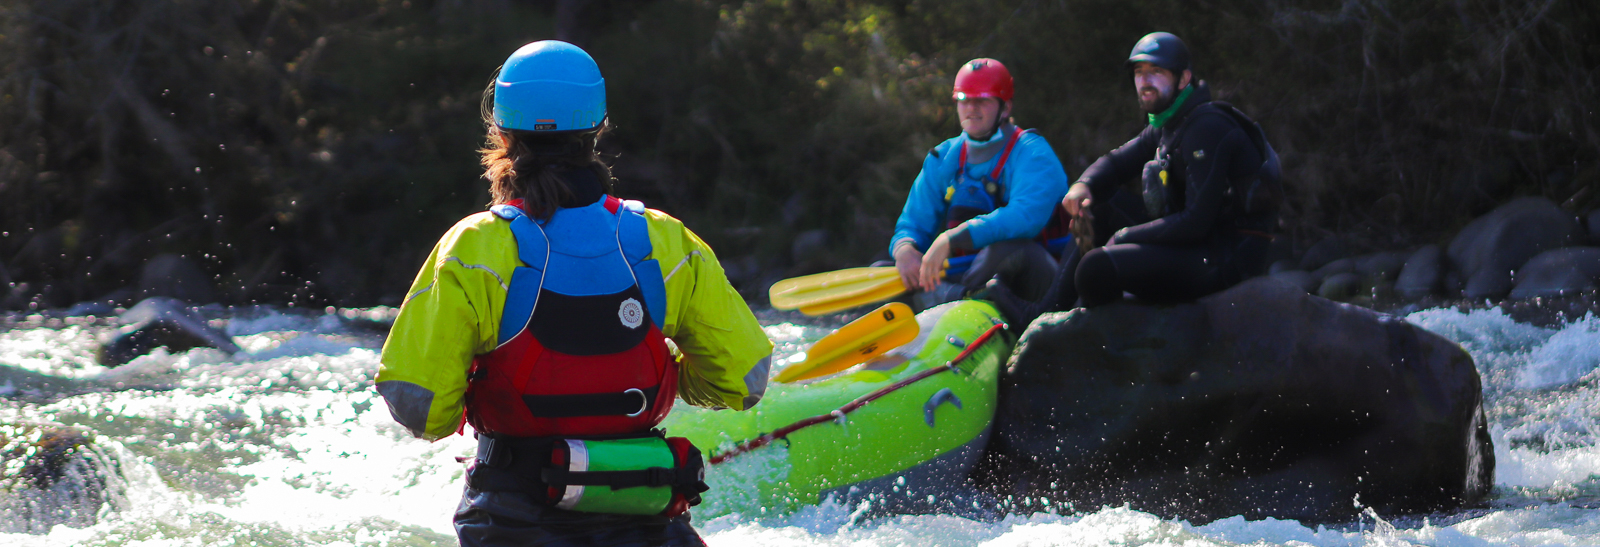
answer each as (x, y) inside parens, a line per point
(286, 444)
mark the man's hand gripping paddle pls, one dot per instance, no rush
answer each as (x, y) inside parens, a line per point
(886, 328)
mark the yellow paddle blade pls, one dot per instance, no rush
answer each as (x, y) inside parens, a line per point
(890, 289)
(818, 289)
(888, 327)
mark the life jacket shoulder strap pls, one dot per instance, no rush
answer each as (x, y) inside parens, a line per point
(633, 236)
(999, 167)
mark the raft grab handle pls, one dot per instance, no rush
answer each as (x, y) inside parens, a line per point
(941, 397)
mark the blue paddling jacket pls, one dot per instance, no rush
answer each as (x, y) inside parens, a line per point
(1030, 185)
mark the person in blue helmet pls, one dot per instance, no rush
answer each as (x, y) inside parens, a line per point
(562, 324)
(1206, 209)
(989, 194)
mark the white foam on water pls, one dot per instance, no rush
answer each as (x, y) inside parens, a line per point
(348, 462)
(1569, 354)
(67, 352)
(740, 483)
(286, 444)
(1541, 397)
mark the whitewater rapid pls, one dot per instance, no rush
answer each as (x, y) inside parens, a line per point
(286, 444)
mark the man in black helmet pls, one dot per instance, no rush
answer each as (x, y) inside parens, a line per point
(1206, 207)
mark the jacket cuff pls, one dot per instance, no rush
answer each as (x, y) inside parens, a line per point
(961, 238)
(893, 249)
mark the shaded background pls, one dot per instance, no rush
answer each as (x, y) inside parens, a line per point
(311, 151)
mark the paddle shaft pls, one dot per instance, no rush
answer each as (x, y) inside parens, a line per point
(785, 431)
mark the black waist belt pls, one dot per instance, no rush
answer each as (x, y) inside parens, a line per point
(511, 464)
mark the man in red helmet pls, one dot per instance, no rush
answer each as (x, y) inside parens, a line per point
(989, 192)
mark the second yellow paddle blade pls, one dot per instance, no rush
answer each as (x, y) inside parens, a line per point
(814, 289)
(888, 289)
(888, 327)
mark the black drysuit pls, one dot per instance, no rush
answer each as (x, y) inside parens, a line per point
(1202, 239)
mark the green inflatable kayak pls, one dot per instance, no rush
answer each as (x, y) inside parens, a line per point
(908, 450)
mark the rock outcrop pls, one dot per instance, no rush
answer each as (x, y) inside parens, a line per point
(1488, 249)
(1259, 401)
(1561, 271)
(53, 475)
(160, 322)
(1422, 273)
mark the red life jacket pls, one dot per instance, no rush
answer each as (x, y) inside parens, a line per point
(581, 350)
(970, 197)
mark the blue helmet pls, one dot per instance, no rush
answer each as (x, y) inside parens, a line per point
(549, 86)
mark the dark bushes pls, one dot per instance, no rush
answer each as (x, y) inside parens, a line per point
(311, 151)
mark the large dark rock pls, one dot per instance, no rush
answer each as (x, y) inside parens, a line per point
(1259, 401)
(160, 322)
(52, 475)
(1385, 265)
(1591, 226)
(1341, 286)
(1557, 272)
(1340, 266)
(1422, 273)
(1305, 280)
(1328, 250)
(1490, 247)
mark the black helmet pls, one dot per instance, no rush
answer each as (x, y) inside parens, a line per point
(1161, 49)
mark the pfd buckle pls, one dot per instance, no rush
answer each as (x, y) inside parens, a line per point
(490, 452)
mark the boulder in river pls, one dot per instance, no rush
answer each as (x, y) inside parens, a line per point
(1591, 226)
(1340, 266)
(1305, 280)
(52, 475)
(1260, 401)
(1495, 244)
(1422, 273)
(1341, 286)
(1328, 250)
(160, 322)
(1556, 272)
(1384, 265)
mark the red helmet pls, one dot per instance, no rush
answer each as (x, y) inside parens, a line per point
(983, 78)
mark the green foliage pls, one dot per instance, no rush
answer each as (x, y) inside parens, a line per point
(297, 150)
(313, 150)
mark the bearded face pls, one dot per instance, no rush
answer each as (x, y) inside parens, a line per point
(1156, 87)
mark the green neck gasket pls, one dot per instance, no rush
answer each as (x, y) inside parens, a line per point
(1158, 120)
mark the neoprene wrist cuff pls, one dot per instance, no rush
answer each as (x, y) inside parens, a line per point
(960, 238)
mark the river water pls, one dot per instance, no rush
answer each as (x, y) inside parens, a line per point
(286, 444)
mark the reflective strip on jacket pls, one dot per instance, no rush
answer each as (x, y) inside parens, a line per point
(452, 313)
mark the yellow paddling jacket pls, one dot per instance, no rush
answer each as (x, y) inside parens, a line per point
(452, 313)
